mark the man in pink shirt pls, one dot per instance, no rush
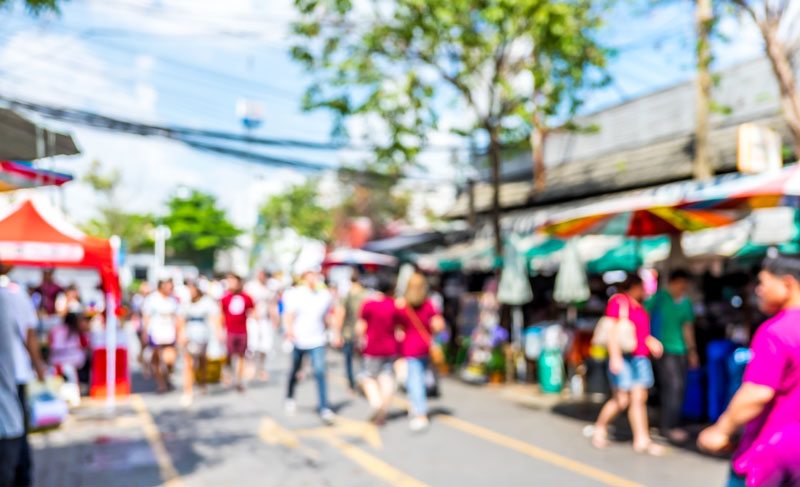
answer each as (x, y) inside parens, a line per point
(767, 404)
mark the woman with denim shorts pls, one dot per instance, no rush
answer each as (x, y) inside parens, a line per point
(631, 374)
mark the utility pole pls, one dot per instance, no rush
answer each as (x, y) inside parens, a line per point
(702, 160)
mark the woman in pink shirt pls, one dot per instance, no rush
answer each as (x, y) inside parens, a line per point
(631, 374)
(419, 320)
(376, 329)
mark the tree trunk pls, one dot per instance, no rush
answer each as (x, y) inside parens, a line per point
(790, 100)
(702, 161)
(494, 157)
(538, 136)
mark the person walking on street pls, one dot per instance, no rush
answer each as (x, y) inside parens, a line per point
(631, 374)
(264, 290)
(672, 319)
(12, 426)
(162, 323)
(351, 307)
(418, 320)
(307, 308)
(237, 306)
(767, 405)
(201, 315)
(376, 327)
(27, 360)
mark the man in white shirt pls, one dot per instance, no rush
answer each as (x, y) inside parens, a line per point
(307, 308)
(26, 353)
(261, 326)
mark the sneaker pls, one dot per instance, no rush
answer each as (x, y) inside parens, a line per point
(419, 424)
(290, 407)
(327, 416)
(186, 400)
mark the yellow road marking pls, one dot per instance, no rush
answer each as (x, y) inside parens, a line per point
(537, 453)
(274, 434)
(169, 474)
(370, 463)
(529, 450)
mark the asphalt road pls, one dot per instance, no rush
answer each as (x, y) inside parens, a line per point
(479, 437)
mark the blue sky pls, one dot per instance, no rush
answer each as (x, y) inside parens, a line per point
(187, 62)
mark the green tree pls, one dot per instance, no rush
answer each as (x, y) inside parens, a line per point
(778, 25)
(112, 219)
(505, 63)
(199, 228)
(297, 208)
(371, 195)
(35, 7)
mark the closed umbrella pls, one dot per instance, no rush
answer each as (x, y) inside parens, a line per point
(571, 285)
(514, 287)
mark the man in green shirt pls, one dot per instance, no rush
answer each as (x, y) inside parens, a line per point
(672, 322)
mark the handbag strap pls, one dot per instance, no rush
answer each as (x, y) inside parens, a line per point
(624, 307)
(412, 315)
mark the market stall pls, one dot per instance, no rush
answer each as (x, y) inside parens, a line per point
(35, 234)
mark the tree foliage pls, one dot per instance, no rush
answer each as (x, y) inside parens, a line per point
(112, 218)
(371, 195)
(297, 208)
(199, 228)
(35, 7)
(504, 64)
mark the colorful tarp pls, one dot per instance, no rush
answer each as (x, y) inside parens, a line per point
(681, 207)
(19, 175)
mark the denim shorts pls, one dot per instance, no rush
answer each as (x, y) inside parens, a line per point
(636, 372)
(375, 366)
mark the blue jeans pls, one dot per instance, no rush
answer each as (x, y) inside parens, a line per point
(318, 364)
(415, 385)
(348, 350)
(734, 480)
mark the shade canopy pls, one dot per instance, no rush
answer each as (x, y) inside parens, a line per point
(23, 140)
(680, 207)
(347, 256)
(19, 175)
(34, 234)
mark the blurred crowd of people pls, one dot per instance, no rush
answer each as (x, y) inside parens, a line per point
(388, 332)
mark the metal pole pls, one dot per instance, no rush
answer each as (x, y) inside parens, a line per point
(111, 335)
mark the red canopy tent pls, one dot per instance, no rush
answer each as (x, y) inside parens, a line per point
(32, 234)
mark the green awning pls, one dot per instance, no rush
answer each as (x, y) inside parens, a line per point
(631, 255)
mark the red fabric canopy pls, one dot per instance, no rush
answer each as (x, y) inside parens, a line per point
(33, 234)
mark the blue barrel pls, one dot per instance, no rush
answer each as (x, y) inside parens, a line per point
(719, 353)
(695, 401)
(737, 362)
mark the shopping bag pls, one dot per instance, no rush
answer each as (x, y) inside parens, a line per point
(45, 408)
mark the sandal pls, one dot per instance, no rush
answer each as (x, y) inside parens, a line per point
(652, 449)
(600, 439)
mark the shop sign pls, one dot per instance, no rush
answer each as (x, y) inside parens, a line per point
(758, 149)
(36, 252)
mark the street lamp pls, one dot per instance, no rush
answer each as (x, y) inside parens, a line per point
(160, 235)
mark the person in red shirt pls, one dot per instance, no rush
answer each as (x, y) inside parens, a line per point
(236, 308)
(376, 329)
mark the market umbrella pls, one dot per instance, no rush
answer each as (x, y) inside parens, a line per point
(21, 139)
(571, 284)
(630, 255)
(19, 175)
(347, 256)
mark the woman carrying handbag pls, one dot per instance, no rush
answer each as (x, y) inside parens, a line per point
(625, 332)
(419, 321)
